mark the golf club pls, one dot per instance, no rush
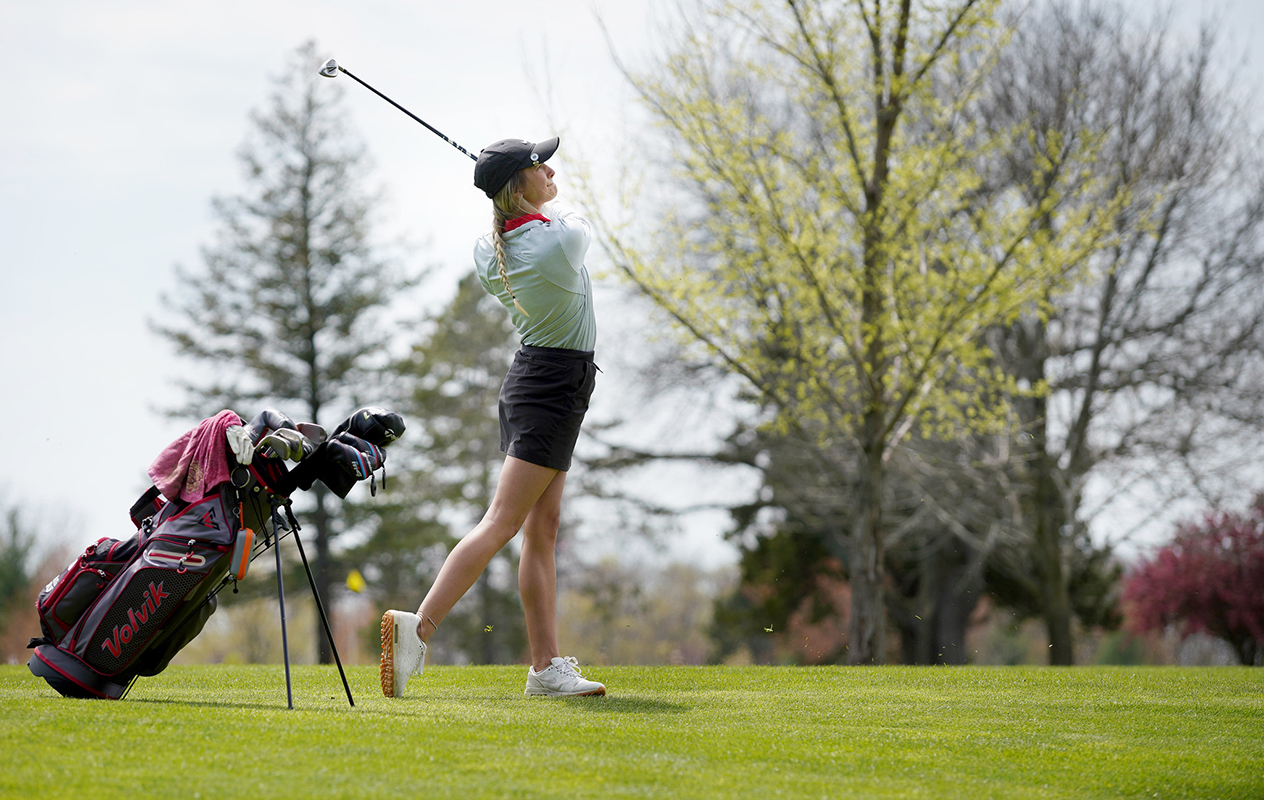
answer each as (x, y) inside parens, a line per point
(331, 70)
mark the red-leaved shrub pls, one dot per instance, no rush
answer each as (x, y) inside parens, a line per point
(1209, 578)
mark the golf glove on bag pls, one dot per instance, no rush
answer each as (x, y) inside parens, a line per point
(241, 444)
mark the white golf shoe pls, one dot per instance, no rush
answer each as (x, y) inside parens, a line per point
(403, 653)
(561, 679)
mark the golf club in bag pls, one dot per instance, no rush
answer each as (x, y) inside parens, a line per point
(126, 607)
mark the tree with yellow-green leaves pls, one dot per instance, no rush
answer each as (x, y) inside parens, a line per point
(830, 240)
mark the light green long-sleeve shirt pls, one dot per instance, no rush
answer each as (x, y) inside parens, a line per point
(545, 263)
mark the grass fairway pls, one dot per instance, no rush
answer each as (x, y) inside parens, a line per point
(667, 732)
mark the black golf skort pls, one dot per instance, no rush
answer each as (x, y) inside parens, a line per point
(542, 403)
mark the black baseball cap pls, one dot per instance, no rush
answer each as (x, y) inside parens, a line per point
(498, 161)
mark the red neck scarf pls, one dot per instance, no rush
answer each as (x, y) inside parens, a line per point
(518, 222)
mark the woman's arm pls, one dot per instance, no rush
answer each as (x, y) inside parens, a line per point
(574, 232)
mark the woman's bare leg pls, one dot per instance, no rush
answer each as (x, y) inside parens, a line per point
(520, 485)
(537, 573)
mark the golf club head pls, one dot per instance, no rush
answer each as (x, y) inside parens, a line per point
(313, 432)
(287, 444)
(330, 70)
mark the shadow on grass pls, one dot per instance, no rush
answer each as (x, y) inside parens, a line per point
(625, 705)
(179, 701)
(589, 705)
(278, 706)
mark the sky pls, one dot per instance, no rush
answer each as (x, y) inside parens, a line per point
(122, 121)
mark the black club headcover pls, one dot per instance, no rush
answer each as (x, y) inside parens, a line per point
(352, 453)
(346, 459)
(268, 420)
(373, 424)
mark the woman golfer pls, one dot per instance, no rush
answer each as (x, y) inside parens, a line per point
(533, 261)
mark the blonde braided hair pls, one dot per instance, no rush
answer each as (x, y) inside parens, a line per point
(507, 205)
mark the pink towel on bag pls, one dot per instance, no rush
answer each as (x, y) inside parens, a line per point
(196, 462)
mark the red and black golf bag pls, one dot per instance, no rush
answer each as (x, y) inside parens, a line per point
(125, 608)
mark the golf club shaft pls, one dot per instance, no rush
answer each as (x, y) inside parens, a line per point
(429, 127)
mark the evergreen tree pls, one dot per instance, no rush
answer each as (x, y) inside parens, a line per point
(448, 468)
(17, 540)
(284, 310)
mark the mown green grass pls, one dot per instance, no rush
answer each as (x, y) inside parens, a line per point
(669, 732)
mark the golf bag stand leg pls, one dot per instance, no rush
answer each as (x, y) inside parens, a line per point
(323, 618)
(285, 642)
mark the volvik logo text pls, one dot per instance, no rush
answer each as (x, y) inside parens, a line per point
(136, 617)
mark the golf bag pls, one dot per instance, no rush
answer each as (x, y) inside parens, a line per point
(125, 608)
